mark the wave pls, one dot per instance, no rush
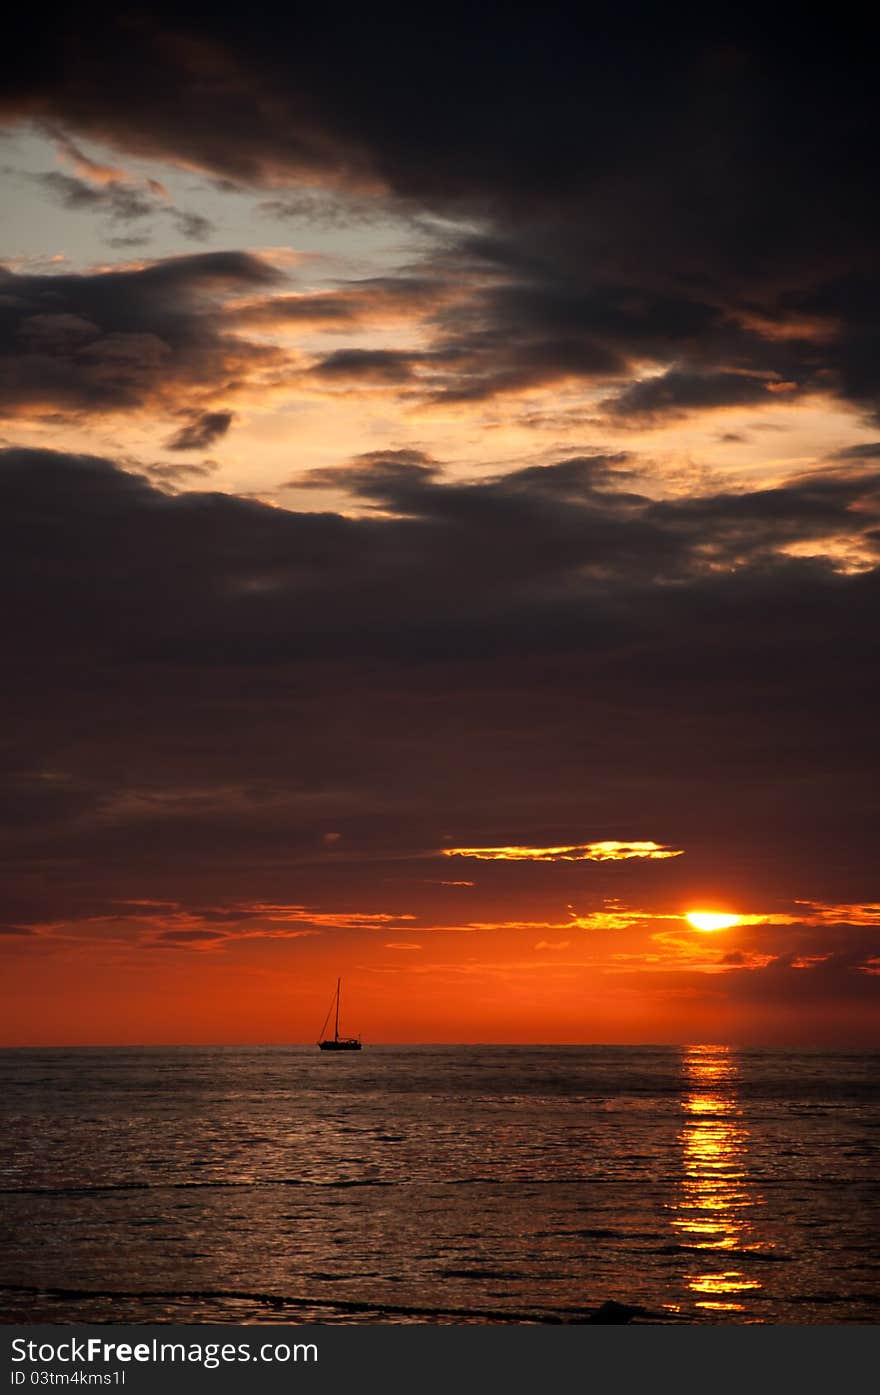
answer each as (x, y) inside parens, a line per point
(102, 1187)
(608, 1313)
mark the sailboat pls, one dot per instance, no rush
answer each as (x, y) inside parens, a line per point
(336, 1042)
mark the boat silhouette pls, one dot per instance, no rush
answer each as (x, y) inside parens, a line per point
(336, 1042)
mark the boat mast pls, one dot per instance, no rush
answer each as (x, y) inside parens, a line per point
(336, 1028)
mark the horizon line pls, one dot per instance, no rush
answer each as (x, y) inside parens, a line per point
(525, 1045)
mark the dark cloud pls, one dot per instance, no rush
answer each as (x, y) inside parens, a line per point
(359, 303)
(366, 365)
(200, 685)
(323, 209)
(556, 541)
(186, 937)
(121, 201)
(195, 227)
(838, 975)
(177, 472)
(202, 431)
(323, 308)
(582, 517)
(115, 340)
(696, 202)
(868, 450)
(124, 202)
(680, 220)
(675, 393)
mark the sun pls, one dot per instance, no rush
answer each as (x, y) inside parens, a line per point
(711, 920)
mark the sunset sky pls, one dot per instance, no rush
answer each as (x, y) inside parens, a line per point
(440, 457)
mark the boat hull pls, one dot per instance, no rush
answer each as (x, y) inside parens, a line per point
(339, 1045)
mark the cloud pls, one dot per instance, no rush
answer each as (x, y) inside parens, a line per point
(530, 559)
(366, 365)
(867, 450)
(316, 309)
(608, 851)
(469, 665)
(201, 685)
(630, 228)
(118, 340)
(177, 472)
(195, 227)
(155, 924)
(189, 937)
(599, 527)
(323, 208)
(95, 171)
(204, 429)
(675, 393)
(122, 202)
(122, 198)
(814, 913)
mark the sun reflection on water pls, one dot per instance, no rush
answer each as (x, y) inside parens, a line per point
(712, 1213)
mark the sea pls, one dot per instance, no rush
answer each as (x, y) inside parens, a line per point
(439, 1184)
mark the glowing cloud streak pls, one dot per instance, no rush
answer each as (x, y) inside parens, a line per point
(609, 851)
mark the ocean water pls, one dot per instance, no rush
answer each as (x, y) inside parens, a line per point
(438, 1184)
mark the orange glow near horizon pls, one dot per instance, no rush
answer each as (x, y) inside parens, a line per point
(423, 963)
(607, 851)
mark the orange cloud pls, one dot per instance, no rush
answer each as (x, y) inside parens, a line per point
(163, 924)
(69, 153)
(819, 913)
